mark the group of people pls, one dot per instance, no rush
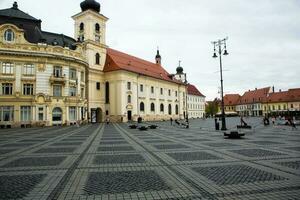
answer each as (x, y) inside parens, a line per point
(286, 120)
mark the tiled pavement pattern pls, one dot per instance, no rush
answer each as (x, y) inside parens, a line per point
(115, 162)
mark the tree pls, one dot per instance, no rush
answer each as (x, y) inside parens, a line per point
(212, 107)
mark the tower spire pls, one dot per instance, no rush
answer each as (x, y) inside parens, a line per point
(158, 57)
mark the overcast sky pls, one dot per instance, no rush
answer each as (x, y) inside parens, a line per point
(263, 45)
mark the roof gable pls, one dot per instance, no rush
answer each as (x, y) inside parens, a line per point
(192, 90)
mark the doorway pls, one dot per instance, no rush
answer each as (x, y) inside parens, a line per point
(129, 115)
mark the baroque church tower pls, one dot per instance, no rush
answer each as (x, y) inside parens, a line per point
(90, 31)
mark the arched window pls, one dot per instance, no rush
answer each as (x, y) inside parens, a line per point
(107, 92)
(9, 35)
(170, 109)
(152, 107)
(128, 99)
(97, 59)
(142, 106)
(176, 109)
(162, 108)
(97, 27)
(81, 27)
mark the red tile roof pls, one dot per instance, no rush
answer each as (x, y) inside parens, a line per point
(294, 95)
(192, 90)
(277, 97)
(117, 60)
(231, 99)
(291, 95)
(255, 96)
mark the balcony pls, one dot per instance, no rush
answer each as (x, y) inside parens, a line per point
(57, 79)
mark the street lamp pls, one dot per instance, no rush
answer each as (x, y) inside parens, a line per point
(221, 44)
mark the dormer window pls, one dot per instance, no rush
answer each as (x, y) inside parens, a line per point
(9, 35)
(97, 27)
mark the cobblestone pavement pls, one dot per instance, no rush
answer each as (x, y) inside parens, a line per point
(115, 162)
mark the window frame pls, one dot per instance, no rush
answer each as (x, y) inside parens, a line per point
(7, 88)
(28, 89)
(55, 94)
(9, 35)
(7, 68)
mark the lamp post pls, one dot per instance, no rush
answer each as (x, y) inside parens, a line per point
(221, 45)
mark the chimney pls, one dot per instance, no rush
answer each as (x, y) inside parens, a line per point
(279, 90)
(255, 88)
(273, 89)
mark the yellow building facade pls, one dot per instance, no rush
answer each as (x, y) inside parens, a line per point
(51, 79)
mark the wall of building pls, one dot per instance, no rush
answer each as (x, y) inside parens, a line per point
(196, 106)
(119, 92)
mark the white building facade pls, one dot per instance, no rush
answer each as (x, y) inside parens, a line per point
(195, 103)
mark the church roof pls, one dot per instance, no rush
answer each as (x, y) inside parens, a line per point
(116, 60)
(14, 12)
(192, 90)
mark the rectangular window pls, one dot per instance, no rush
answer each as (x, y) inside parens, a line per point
(7, 88)
(152, 90)
(57, 91)
(161, 91)
(7, 68)
(28, 69)
(6, 113)
(82, 92)
(72, 91)
(128, 85)
(169, 92)
(57, 71)
(28, 89)
(72, 113)
(176, 93)
(98, 85)
(142, 88)
(25, 113)
(41, 114)
(82, 76)
(72, 74)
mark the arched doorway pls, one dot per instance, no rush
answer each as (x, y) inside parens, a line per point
(57, 116)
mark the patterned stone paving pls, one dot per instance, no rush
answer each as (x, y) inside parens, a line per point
(17, 187)
(115, 162)
(291, 164)
(35, 162)
(257, 152)
(192, 156)
(56, 150)
(124, 182)
(113, 159)
(236, 174)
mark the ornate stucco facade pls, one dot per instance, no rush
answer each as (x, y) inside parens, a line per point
(51, 79)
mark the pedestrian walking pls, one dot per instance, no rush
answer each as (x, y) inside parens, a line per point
(171, 121)
(107, 120)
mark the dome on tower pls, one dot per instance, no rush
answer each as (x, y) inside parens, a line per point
(179, 70)
(90, 4)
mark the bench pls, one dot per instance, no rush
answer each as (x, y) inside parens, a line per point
(143, 128)
(234, 134)
(152, 126)
(133, 126)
